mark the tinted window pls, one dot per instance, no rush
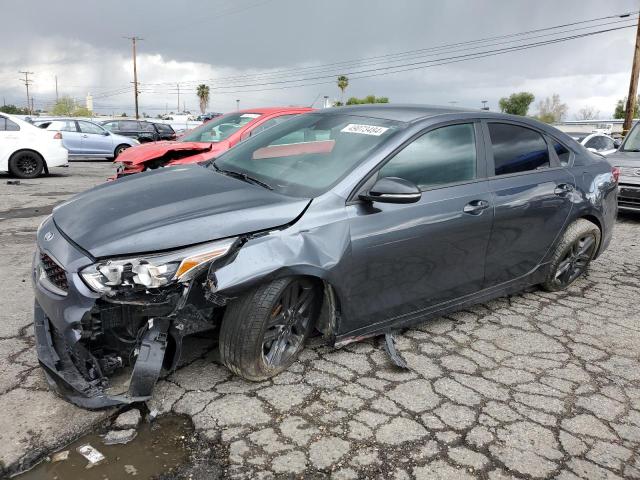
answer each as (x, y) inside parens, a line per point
(564, 155)
(111, 126)
(444, 155)
(164, 128)
(517, 149)
(600, 143)
(147, 127)
(127, 126)
(87, 127)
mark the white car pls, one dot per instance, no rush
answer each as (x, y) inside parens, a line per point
(26, 150)
(596, 142)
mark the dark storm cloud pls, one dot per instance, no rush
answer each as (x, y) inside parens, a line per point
(263, 34)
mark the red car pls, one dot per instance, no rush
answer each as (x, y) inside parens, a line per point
(204, 142)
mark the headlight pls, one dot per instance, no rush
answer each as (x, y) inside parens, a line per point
(152, 271)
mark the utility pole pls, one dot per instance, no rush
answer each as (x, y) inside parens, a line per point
(56, 88)
(135, 71)
(178, 108)
(27, 82)
(633, 86)
(238, 105)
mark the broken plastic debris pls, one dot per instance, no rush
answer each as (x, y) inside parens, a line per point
(60, 456)
(13, 182)
(153, 414)
(91, 454)
(390, 347)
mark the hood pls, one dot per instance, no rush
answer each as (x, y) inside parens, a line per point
(624, 159)
(170, 208)
(155, 150)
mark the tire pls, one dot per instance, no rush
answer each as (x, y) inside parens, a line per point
(573, 254)
(26, 164)
(254, 342)
(119, 149)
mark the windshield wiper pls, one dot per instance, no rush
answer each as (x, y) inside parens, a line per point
(242, 176)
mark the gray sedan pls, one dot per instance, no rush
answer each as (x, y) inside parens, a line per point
(83, 138)
(351, 221)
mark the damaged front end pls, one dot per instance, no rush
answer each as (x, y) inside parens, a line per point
(106, 330)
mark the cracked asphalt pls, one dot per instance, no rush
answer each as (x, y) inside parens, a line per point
(536, 385)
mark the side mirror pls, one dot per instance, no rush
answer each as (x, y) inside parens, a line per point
(105, 133)
(392, 190)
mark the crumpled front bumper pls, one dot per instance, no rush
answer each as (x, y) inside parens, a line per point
(58, 325)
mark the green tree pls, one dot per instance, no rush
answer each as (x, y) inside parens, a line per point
(366, 100)
(517, 103)
(81, 112)
(551, 109)
(64, 106)
(13, 110)
(203, 94)
(621, 106)
(343, 83)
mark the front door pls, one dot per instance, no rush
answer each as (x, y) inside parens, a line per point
(95, 139)
(532, 197)
(408, 258)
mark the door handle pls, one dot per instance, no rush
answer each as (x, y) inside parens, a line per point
(563, 189)
(85, 136)
(475, 207)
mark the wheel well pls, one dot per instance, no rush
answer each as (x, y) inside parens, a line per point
(327, 321)
(593, 219)
(121, 145)
(44, 162)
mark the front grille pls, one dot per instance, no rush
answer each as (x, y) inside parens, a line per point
(630, 171)
(54, 272)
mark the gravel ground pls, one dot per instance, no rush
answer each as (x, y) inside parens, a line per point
(536, 385)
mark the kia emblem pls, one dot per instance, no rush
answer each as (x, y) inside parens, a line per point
(48, 236)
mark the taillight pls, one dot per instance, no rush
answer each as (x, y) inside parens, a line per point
(57, 136)
(615, 171)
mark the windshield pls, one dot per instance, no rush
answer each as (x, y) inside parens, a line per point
(632, 142)
(307, 155)
(220, 128)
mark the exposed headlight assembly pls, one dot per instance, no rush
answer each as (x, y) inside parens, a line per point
(152, 271)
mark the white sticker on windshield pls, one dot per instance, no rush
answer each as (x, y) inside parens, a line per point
(364, 129)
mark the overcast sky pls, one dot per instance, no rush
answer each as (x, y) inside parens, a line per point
(82, 43)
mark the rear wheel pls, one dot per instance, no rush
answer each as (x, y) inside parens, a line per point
(26, 164)
(119, 149)
(264, 330)
(573, 254)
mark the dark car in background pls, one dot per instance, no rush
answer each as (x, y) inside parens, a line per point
(351, 221)
(141, 130)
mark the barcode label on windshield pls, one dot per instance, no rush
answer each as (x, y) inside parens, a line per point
(364, 129)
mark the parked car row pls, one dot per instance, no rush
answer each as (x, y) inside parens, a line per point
(143, 131)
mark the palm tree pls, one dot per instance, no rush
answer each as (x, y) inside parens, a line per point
(203, 94)
(343, 83)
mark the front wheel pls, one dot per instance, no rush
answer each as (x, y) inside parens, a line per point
(573, 254)
(263, 331)
(119, 149)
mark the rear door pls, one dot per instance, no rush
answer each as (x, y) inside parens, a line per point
(409, 258)
(9, 136)
(95, 139)
(532, 196)
(71, 137)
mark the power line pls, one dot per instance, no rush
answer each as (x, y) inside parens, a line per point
(350, 63)
(379, 71)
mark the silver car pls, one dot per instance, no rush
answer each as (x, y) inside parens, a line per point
(86, 139)
(627, 160)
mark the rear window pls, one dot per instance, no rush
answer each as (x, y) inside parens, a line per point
(164, 128)
(220, 128)
(7, 125)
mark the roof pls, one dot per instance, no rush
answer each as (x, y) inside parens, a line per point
(265, 110)
(399, 112)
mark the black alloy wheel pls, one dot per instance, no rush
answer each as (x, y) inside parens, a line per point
(26, 165)
(576, 260)
(288, 323)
